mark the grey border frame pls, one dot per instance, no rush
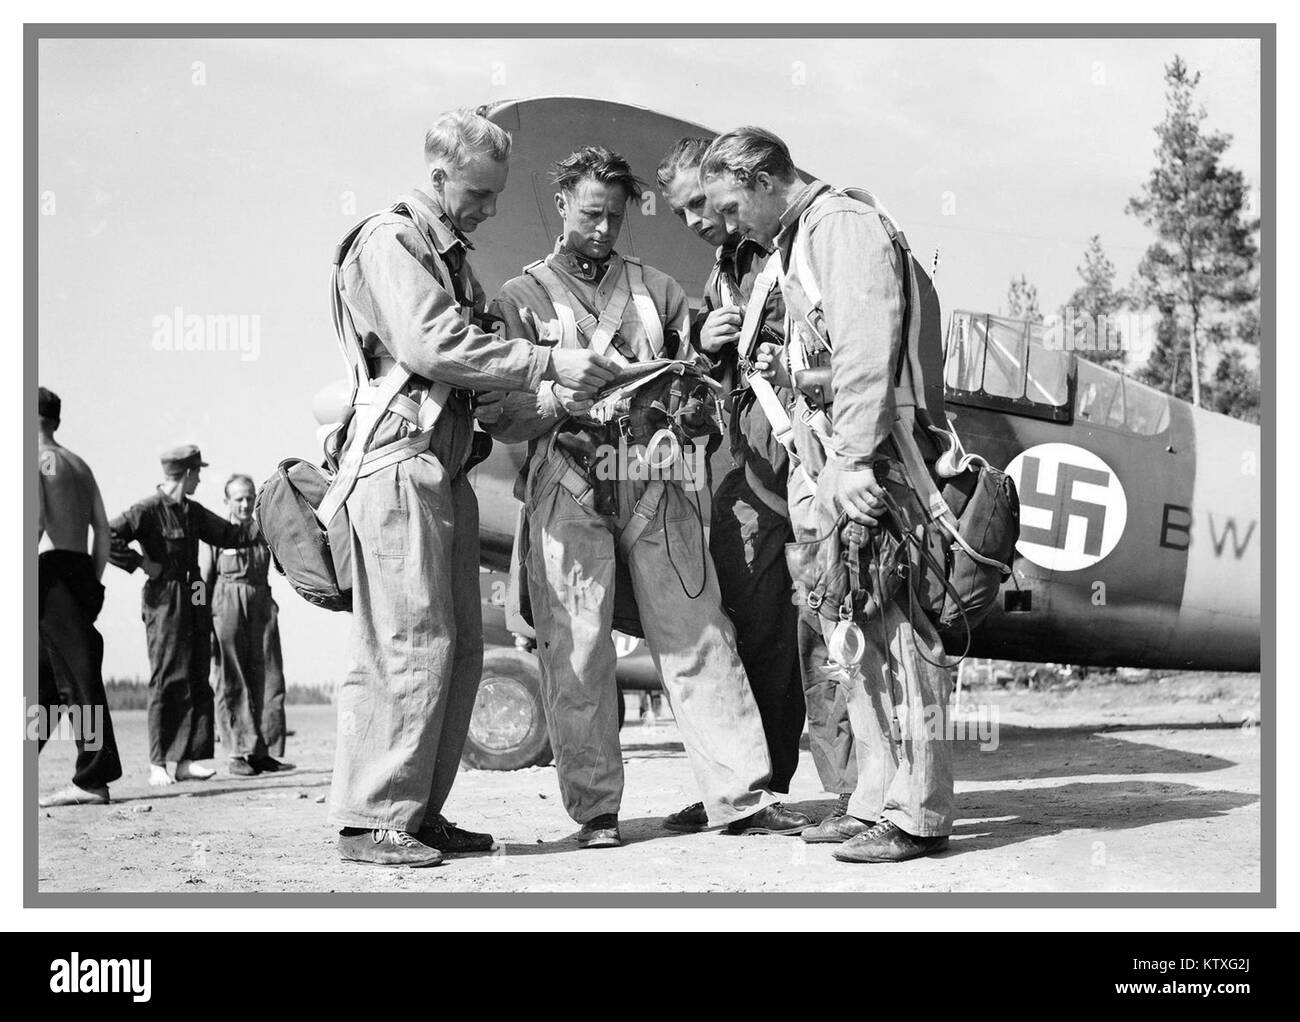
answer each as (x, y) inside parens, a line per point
(1266, 33)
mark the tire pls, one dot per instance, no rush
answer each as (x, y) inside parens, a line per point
(508, 728)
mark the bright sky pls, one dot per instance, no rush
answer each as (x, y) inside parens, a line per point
(224, 198)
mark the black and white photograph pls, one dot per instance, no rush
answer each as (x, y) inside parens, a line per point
(486, 462)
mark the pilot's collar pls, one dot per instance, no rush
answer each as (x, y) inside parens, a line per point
(445, 234)
(578, 265)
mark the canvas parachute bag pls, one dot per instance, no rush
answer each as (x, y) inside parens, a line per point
(972, 526)
(301, 509)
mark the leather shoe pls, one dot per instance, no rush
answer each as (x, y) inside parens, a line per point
(689, 820)
(837, 829)
(447, 837)
(387, 848)
(602, 832)
(268, 765)
(887, 842)
(238, 766)
(773, 819)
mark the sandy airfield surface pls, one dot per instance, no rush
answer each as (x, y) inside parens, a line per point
(1150, 787)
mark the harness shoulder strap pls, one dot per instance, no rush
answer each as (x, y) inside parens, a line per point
(371, 399)
(909, 373)
(764, 393)
(645, 307)
(570, 333)
(611, 315)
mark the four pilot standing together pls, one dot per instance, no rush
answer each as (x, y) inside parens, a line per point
(738, 660)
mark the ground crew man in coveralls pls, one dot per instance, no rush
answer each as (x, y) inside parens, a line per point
(72, 650)
(244, 626)
(574, 532)
(750, 518)
(903, 805)
(168, 525)
(404, 706)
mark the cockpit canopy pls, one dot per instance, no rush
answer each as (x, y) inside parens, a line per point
(1006, 365)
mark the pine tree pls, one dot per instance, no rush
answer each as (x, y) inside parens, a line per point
(1098, 300)
(1236, 388)
(1169, 368)
(1203, 260)
(1022, 300)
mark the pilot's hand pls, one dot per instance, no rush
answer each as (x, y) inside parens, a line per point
(769, 362)
(575, 402)
(151, 567)
(580, 369)
(860, 496)
(721, 327)
(487, 406)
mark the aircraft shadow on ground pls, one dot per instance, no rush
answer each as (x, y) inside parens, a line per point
(643, 829)
(993, 819)
(1028, 753)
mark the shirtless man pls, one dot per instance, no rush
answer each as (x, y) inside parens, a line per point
(72, 651)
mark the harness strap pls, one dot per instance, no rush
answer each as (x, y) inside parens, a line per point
(599, 333)
(557, 468)
(372, 398)
(815, 418)
(559, 471)
(368, 417)
(642, 515)
(645, 307)
(764, 392)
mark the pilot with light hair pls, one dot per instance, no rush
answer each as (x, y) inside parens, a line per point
(411, 312)
(837, 247)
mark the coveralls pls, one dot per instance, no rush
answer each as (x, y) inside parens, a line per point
(177, 618)
(250, 684)
(908, 781)
(749, 529)
(571, 573)
(404, 706)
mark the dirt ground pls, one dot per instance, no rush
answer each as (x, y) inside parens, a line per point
(1104, 788)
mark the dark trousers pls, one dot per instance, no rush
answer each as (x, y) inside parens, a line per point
(177, 623)
(71, 661)
(747, 540)
(830, 736)
(240, 615)
(273, 726)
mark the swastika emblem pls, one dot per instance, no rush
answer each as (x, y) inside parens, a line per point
(1072, 506)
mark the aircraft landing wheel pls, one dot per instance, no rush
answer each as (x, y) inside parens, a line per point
(508, 728)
